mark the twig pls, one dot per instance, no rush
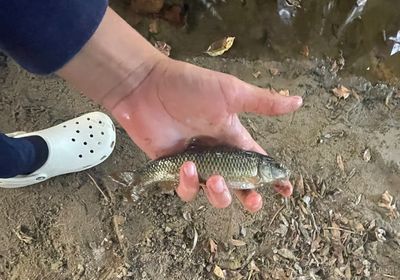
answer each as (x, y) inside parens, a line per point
(341, 229)
(276, 214)
(97, 186)
(389, 276)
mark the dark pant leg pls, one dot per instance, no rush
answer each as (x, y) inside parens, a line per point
(20, 156)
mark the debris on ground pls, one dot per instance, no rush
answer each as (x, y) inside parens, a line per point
(284, 92)
(163, 47)
(341, 92)
(388, 203)
(396, 46)
(221, 46)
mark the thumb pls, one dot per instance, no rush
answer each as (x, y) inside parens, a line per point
(253, 99)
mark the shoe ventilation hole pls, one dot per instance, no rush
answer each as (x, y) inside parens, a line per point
(88, 119)
(102, 133)
(77, 123)
(77, 131)
(85, 143)
(90, 126)
(80, 156)
(100, 122)
(64, 126)
(73, 139)
(91, 151)
(91, 135)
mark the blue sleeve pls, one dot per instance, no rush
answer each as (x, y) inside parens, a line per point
(43, 35)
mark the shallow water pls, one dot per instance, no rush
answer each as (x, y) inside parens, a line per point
(319, 25)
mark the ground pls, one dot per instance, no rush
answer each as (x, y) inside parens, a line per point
(341, 222)
(332, 227)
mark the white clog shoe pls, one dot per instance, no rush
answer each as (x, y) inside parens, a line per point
(74, 145)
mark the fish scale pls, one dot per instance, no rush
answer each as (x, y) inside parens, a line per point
(236, 166)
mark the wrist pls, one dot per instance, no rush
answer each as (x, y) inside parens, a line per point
(112, 63)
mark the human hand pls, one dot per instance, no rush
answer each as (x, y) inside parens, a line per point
(178, 101)
(162, 103)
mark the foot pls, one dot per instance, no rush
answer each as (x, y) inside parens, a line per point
(75, 145)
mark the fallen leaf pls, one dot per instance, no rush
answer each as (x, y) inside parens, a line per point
(213, 246)
(237, 243)
(305, 51)
(287, 254)
(257, 74)
(387, 203)
(284, 92)
(219, 47)
(367, 155)
(253, 266)
(274, 71)
(341, 92)
(163, 47)
(340, 163)
(218, 272)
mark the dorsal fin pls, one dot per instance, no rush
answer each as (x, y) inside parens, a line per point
(201, 143)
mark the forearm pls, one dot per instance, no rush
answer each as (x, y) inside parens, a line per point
(112, 63)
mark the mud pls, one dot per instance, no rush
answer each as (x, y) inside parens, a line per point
(331, 228)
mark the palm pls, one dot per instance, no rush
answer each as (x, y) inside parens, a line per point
(175, 104)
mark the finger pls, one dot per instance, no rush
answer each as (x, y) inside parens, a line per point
(285, 188)
(217, 192)
(252, 99)
(250, 199)
(188, 186)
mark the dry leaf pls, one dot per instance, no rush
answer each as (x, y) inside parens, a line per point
(218, 272)
(219, 47)
(341, 92)
(387, 203)
(367, 155)
(274, 71)
(163, 47)
(213, 246)
(253, 266)
(340, 163)
(305, 51)
(237, 243)
(287, 254)
(257, 74)
(284, 92)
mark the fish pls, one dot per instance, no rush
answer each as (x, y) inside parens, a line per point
(241, 169)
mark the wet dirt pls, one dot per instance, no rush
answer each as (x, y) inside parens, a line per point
(320, 26)
(332, 228)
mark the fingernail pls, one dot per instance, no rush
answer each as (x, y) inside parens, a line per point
(299, 100)
(219, 186)
(190, 170)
